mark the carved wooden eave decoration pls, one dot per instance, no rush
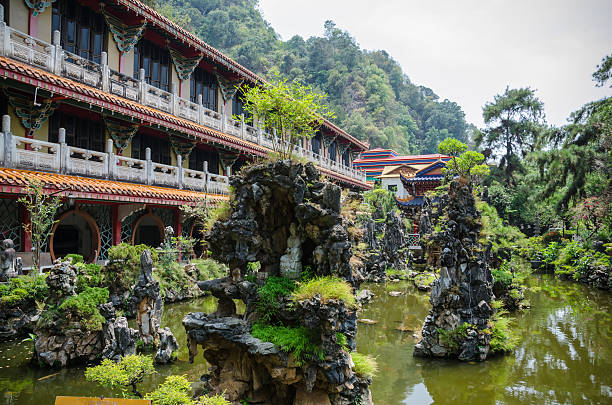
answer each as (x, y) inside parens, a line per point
(125, 36)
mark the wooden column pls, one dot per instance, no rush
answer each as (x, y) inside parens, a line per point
(116, 225)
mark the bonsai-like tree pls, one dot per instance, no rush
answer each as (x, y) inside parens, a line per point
(42, 208)
(294, 110)
(123, 375)
(464, 163)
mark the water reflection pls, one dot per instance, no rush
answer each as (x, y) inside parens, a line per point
(565, 355)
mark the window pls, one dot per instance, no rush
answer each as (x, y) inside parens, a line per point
(315, 143)
(155, 60)
(331, 151)
(83, 31)
(80, 132)
(160, 148)
(346, 157)
(197, 157)
(204, 83)
(238, 108)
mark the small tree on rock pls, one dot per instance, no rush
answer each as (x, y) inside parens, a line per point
(464, 163)
(294, 110)
(42, 208)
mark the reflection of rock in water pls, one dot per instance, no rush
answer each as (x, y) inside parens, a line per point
(465, 384)
(461, 297)
(285, 218)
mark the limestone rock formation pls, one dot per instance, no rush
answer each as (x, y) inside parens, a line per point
(119, 338)
(461, 297)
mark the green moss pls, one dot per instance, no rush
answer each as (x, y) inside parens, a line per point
(328, 288)
(269, 296)
(301, 342)
(89, 275)
(341, 339)
(365, 366)
(23, 288)
(503, 339)
(451, 337)
(84, 307)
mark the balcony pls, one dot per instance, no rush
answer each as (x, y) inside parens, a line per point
(31, 154)
(52, 58)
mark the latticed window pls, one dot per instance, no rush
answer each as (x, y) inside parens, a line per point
(331, 151)
(83, 31)
(160, 148)
(204, 83)
(81, 132)
(197, 157)
(155, 60)
(315, 143)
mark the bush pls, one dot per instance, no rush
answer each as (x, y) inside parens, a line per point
(551, 252)
(503, 275)
(301, 342)
(84, 307)
(503, 339)
(123, 375)
(328, 288)
(89, 275)
(269, 296)
(76, 259)
(23, 288)
(124, 265)
(172, 277)
(210, 269)
(175, 390)
(365, 365)
(552, 236)
(214, 400)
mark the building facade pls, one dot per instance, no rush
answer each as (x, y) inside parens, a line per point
(126, 116)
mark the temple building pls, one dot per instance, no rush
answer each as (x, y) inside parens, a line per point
(126, 116)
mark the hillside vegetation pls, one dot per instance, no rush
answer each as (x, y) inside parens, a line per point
(370, 95)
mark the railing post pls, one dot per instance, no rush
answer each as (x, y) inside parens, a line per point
(2, 144)
(200, 109)
(143, 86)
(223, 119)
(5, 33)
(259, 136)
(205, 168)
(105, 72)
(228, 171)
(63, 152)
(110, 170)
(8, 141)
(242, 127)
(173, 100)
(58, 53)
(179, 173)
(148, 166)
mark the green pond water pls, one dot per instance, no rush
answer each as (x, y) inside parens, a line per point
(564, 356)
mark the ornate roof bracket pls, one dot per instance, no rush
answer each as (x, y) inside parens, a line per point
(125, 36)
(120, 134)
(181, 147)
(31, 115)
(38, 6)
(328, 140)
(227, 159)
(228, 87)
(342, 148)
(184, 66)
(355, 154)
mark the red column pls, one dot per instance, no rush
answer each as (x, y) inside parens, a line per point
(177, 223)
(116, 225)
(26, 244)
(32, 24)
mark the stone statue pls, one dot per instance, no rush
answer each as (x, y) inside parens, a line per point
(291, 261)
(7, 259)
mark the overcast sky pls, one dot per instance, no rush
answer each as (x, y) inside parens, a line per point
(470, 50)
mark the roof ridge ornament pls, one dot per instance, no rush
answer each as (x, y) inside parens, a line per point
(125, 36)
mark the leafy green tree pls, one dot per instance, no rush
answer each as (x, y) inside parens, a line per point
(464, 163)
(294, 110)
(123, 375)
(514, 121)
(603, 72)
(42, 208)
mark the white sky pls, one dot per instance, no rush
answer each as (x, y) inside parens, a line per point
(469, 50)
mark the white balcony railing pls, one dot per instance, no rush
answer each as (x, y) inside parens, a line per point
(52, 58)
(32, 154)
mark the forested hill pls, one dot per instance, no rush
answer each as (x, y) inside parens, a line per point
(370, 95)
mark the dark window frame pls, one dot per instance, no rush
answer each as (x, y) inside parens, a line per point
(80, 132)
(204, 83)
(157, 63)
(198, 156)
(160, 148)
(83, 31)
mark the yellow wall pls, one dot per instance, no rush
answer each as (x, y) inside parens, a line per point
(19, 15)
(128, 62)
(44, 25)
(112, 52)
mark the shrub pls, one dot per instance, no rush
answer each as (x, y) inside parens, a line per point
(76, 259)
(551, 252)
(84, 307)
(365, 365)
(210, 269)
(552, 236)
(23, 288)
(124, 265)
(175, 390)
(221, 212)
(123, 375)
(503, 339)
(451, 337)
(89, 275)
(503, 275)
(172, 277)
(328, 288)
(214, 400)
(269, 296)
(301, 342)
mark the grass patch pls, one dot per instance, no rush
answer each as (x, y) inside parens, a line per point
(365, 365)
(329, 288)
(269, 296)
(301, 342)
(84, 307)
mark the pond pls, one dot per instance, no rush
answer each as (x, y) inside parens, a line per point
(564, 357)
